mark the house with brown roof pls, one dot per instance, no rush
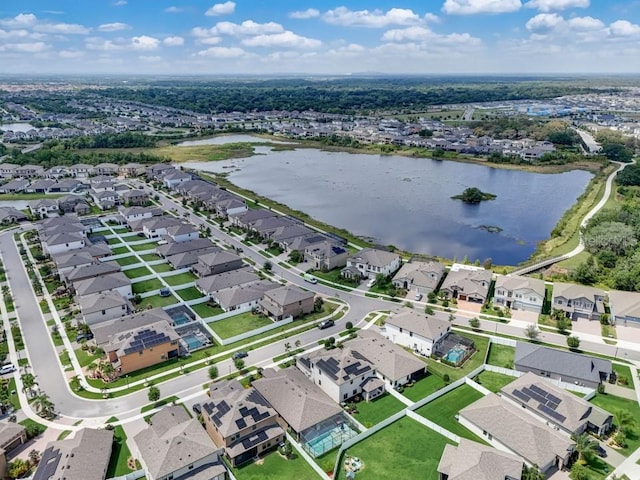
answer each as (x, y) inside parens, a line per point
(473, 461)
(241, 421)
(465, 284)
(421, 277)
(287, 301)
(176, 446)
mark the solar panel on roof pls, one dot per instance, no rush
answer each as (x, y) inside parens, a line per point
(537, 397)
(552, 413)
(554, 399)
(240, 423)
(538, 390)
(521, 395)
(552, 405)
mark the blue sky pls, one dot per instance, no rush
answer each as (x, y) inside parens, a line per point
(319, 37)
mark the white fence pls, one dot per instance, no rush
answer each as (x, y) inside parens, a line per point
(433, 426)
(586, 391)
(131, 476)
(503, 341)
(306, 456)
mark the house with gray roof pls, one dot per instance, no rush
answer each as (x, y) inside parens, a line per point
(65, 185)
(133, 215)
(157, 226)
(230, 206)
(473, 461)
(300, 244)
(265, 227)
(416, 330)
(83, 456)
(105, 331)
(215, 283)
(10, 215)
(245, 219)
(91, 270)
(29, 171)
(369, 262)
(183, 232)
(242, 297)
(625, 308)
(113, 282)
(561, 365)
(510, 428)
(43, 208)
(326, 255)
(100, 307)
(287, 232)
(189, 259)
(467, 285)
(135, 197)
(519, 293)
(174, 248)
(287, 301)
(556, 406)
(62, 242)
(14, 186)
(578, 301)
(421, 277)
(40, 186)
(217, 262)
(176, 446)
(12, 435)
(175, 177)
(67, 261)
(241, 421)
(70, 204)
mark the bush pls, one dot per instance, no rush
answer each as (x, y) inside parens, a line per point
(446, 378)
(348, 325)
(213, 372)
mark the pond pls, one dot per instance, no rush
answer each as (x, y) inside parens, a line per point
(406, 202)
(16, 127)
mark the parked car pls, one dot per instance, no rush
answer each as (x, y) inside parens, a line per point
(310, 278)
(84, 336)
(197, 408)
(601, 451)
(371, 283)
(239, 354)
(326, 324)
(7, 368)
(418, 297)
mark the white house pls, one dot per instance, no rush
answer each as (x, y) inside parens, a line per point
(63, 242)
(158, 227)
(44, 208)
(182, 233)
(369, 262)
(99, 307)
(174, 178)
(519, 293)
(134, 214)
(417, 331)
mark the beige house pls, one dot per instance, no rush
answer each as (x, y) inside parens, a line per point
(287, 301)
(473, 461)
(421, 277)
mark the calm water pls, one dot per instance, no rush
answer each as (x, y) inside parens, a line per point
(406, 202)
(19, 204)
(16, 127)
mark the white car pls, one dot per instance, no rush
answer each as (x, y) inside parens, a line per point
(371, 283)
(418, 297)
(8, 368)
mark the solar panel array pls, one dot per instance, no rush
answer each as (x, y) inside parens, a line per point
(220, 411)
(144, 339)
(331, 367)
(547, 402)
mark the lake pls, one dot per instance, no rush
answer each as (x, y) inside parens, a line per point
(406, 202)
(16, 127)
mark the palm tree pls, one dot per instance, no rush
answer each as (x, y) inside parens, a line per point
(44, 405)
(585, 446)
(28, 382)
(91, 369)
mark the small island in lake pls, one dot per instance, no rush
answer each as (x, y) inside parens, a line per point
(474, 195)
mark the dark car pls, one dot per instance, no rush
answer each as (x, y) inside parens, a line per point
(601, 451)
(239, 355)
(84, 336)
(197, 408)
(326, 324)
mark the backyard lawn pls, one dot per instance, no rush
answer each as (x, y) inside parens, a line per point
(137, 272)
(120, 250)
(370, 413)
(189, 293)
(150, 257)
(612, 404)
(119, 454)
(477, 359)
(205, 311)
(493, 381)
(444, 409)
(129, 260)
(143, 246)
(275, 467)
(423, 387)
(245, 322)
(114, 241)
(161, 267)
(404, 449)
(147, 285)
(120, 229)
(180, 278)
(158, 301)
(501, 355)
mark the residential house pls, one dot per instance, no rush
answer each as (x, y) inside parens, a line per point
(7, 170)
(104, 332)
(135, 214)
(56, 172)
(212, 284)
(100, 307)
(12, 435)
(230, 206)
(156, 227)
(217, 262)
(241, 421)
(43, 208)
(92, 270)
(175, 446)
(509, 428)
(135, 197)
(65, 262)
(265, 227)
(568, 367)
(287, 301)
(472, 461)
(625, 308)
(63, 242)
(174, 248)
(106, 199)
(183, 232)
(142, 347)
(519, 293)
(326, 255)
(66, 185)
(10, 215)
(417, 331)
(189, 259)
(300, 244)
(370, 262)
(40, 186)
(287, 232)
(84, 455)
(173, 178)
(117, 282)
(28, 171)
(104, 186)
(105, 169)
(241, 297)
(158, 170)
(131, 170)
(69, 203)
(578, 301)
(14, 186)
(80, 170)
(556, 406)
(465, 284)
(421, 277)
(245, 219)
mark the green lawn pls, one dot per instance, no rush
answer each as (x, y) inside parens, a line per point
(84, 357)
(146, 285)
(120, 250)
(162, 267)
(119, 454)
(245, 322)
(501, 355)
(130, 260)
(477, 359)
(612, 404)
(143, 246)
(158, 301)
(181, 278)
(370, 413)
(205, 311)
(189, 293)
(137, 272)
(493, 381)
(273, 466)
(623, 372)
(150, 257)
(404, 449)
(444, 409)
(423, 387)
(114, 241)
(120, 229)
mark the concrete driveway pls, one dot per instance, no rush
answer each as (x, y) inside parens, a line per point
(582, 325)
(469, 306)
(524, 316)
(628, 333)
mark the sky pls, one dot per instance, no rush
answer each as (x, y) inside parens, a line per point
(280, 37)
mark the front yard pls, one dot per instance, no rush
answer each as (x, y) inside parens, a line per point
(370, 413)
(179, 279)
(244, 322)
(119, 454)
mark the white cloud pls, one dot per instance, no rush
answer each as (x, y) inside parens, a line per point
(120, 3)
(372, 19)
(222, 52)
(551, 5)
(30, 21)
(174, 41)
(431, 18)
(113, 27)
(585, 23)
(305, 14)
(544, 22)
(20, 20)
(144, 42)
(423, 34)
(472, 7)
(70, 53)
(246, 28)
(24, 47)
(624, 28)
(226, 8)
(150, 58)
(174, 9)
(285, 39)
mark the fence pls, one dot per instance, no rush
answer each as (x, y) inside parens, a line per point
(433, 426)
(308, 458)
(503, 341)
(131, 476)
(257, 331)
(586, 391)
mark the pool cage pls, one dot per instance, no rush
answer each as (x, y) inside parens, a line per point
(454, 349)
(327, 435)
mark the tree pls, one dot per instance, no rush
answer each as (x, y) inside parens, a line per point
(585, 273)
(239, 363)
(616, 237)
(18, 468)
(617, 152)
(585, 446)
(268, 266)
(532, 473)
(287, 449)
(298, 342)
(318, 303)
(153, 394)
(573, 342)
(348, 325)
(34, 457)
(28, 382)
(474, 323)
(429, 310)
(532, 332)
(44, 406)
(563, 324)
(623, 420)
(295, 256)
(287, 347)
(213, 372)
(452, 317)
(330, 343)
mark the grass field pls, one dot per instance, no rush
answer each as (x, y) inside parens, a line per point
(370, 413)
(180, 278)
(404, 449)
(444, 409)
(245, 322)
(477, 359)
(612, 404)
(150, 257)
(158, 301)
(146, 285)
(493, 381)
(120, 250)
(130, 260)
(275, 467)
(161, 267)
(501, 355)
(189, 293)
(84, 357)
(205, 311)
(623, 371)
(119, 454)
(143, 246)
(137, 272)
(423, 387)
(204, 153)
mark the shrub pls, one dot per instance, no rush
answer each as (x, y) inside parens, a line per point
(348, 325)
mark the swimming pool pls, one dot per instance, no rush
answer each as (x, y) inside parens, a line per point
(329, 440)
(192, 341)
(181, 318)
(455, 355)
